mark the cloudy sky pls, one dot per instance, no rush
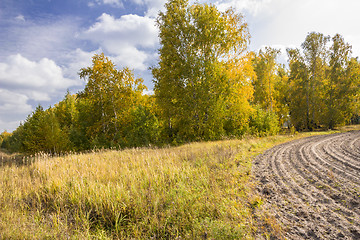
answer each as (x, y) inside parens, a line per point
(44, 43)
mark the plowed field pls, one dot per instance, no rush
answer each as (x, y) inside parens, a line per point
(312, 186)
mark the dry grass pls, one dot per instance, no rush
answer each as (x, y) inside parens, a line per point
(349, 128)
(195, 191)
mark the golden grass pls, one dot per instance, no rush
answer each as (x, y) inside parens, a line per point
(195, 191)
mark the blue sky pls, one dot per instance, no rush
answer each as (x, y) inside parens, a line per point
(44, 43)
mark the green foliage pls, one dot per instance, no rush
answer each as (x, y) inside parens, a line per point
(201, 82)
(271, 89)
(307, 77)
(40, 132)
(143, 129)
(207, 87)
(4, 139)
(342, 84)
(265, 68)
(282, 95)
(323, 83)
(298, 81)
(110, 96)
(110, 112)
(264, 123)
(66, 111)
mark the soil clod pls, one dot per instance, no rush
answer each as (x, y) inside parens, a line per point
(312, 186)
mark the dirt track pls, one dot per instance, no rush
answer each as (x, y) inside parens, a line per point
(312, 186)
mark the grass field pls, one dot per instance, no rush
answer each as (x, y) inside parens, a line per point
(194, 191)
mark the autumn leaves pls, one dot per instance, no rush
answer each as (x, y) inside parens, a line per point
(207, 86)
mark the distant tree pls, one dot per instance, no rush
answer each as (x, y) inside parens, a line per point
(144, 129)
(282, 95)
(56, 139)
(271, 88)
(202, 82)
(324, 83)
(4, 137)
(315, 56)
(265, 67)
(298, 90)
(263, 123)
(307, 76)
(81, 133)
(108, 100)
(342, 83)
(65, 111)
(40, 132)
(30, 134)
(353, 74)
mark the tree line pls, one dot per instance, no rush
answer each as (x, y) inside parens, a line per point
(207, 86)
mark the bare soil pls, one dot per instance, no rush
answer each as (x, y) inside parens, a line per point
(311, 186)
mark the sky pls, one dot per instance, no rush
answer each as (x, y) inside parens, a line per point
(44, 43)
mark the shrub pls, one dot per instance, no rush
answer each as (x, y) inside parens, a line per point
(263, 122)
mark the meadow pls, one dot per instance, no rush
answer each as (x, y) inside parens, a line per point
(200, 190)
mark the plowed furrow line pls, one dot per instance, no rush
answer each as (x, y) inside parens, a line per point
(352, 148)
(279, 168)
(337, 177)
(334, 146)
(297, 195)
(312, 185)
(356, 146)
(347, 148)
(329, 162)
(347, 162)
(317, 182)
(323, 166)
(318, 167)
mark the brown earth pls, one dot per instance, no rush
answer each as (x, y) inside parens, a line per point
(311, 186)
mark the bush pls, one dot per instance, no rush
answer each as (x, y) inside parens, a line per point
(263, 123)
(144, 128)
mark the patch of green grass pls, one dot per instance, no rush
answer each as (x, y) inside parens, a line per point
(195, 191)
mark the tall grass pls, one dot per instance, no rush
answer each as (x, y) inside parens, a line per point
(195, 191)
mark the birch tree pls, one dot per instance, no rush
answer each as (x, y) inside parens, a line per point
(204, 71)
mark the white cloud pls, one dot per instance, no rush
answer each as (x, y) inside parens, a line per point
(76, 60)
(39, 81)
(20, 18)
(134, 29)
(49, 38)
(114, 3)
(251, 6)
(286, 23)
(130, 39)
(13, 102)
(9, 126)
(24, 82)
(13, 109)
(130, 56)
(353, 39)
(153, 6)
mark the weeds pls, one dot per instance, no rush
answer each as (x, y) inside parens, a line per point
(195, 191)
